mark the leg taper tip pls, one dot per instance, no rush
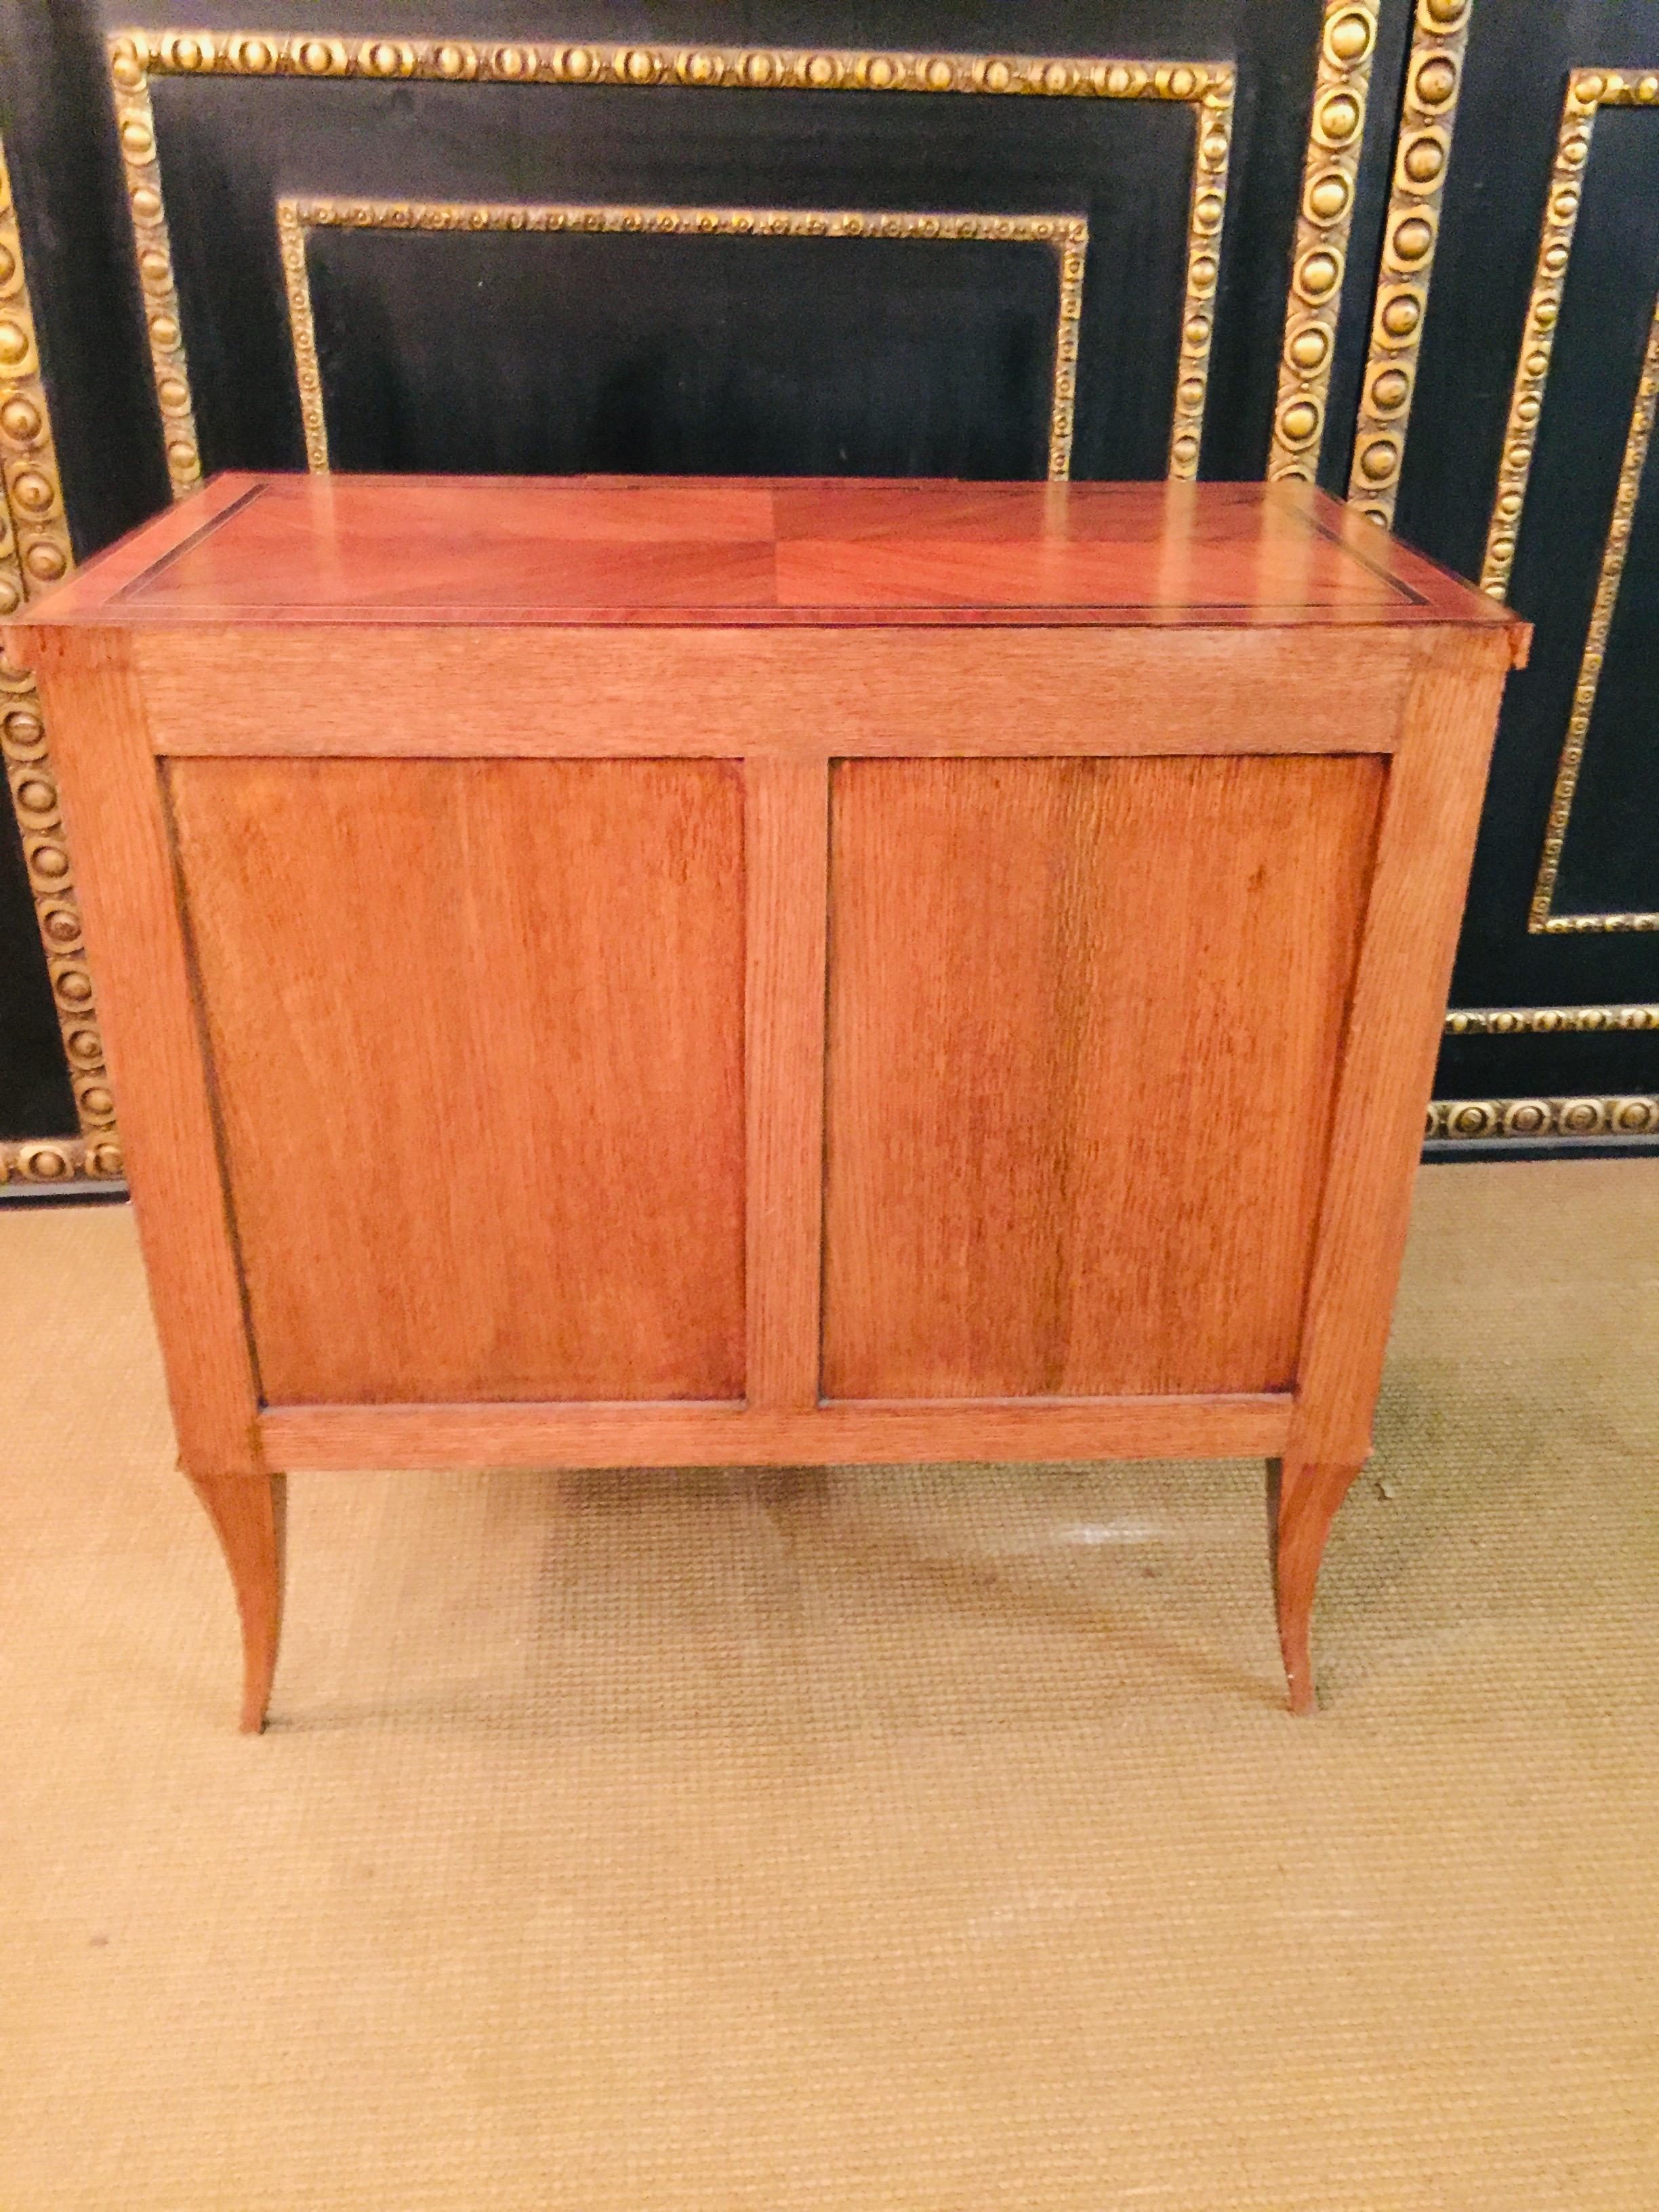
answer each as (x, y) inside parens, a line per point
(1303, 1496)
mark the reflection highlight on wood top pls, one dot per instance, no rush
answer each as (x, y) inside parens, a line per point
(484, 550)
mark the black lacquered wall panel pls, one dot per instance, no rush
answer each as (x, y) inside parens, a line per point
(488, 352)
(601, 310)
(690, 351)
(1564, 904)
(775, 357)
(229, 145)
(1178, 131)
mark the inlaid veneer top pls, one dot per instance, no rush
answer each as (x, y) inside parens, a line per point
(661, 551)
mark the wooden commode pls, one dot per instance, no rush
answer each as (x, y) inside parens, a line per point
(606, 973)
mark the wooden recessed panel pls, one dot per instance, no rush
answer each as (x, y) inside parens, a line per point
(1085, 1018)
(476, 1035)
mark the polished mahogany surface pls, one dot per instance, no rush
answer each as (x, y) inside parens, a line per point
(846, 550)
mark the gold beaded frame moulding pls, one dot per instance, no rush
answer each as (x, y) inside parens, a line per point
(1547, 1021)
(137, 56)
(1336, 133)
(1422, 156)
(1067, 235)
(1588, 90)
(35, 553)
(1466, 1119)
(1627, 1116)
(1630, 1114)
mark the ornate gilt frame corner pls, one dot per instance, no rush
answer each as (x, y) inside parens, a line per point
(138, 55)
(1067, 236)
(35, 553)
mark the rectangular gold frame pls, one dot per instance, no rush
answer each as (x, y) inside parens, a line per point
(1335, 132)
(1434, 71)
(138, 55)
(1067, 235)
(1403, 295)
(1589, 91)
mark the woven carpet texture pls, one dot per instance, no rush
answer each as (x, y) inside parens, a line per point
(829, 1841)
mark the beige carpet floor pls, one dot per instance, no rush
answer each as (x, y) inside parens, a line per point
(918, 1839)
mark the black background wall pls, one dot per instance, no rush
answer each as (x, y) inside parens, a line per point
(680, 352)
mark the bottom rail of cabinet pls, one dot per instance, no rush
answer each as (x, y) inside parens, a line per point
(841, 1432)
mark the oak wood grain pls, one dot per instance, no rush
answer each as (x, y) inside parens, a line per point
(1425, 844)
(787, 826)
(813, 694)
(249, 1514)
(113, 809)
(724, 1436)
(115, 818)
(1084, 1026)
(544, 959)
(1302, 1498)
